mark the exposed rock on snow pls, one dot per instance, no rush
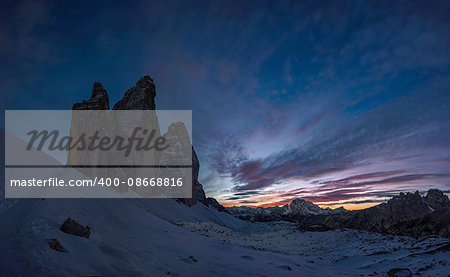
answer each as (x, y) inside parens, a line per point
(70, 226)
(399, 272)
(56, 245)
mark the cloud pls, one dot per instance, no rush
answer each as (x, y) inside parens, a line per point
(364, 177)
(287, 93)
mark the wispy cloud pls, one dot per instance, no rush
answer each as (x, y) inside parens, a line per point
(288, 98)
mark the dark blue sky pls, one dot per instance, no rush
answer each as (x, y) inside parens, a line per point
(346, 102)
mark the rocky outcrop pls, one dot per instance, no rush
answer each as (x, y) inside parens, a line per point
(56, 245)
(181, 150)
(399, 272)
(212, 202)
(181, 153)
(142, 97)
(72, 227)
(404, 207)
(198, 194)
(435, 223)
(116, 124)
(99, 100)
(408, 214)
(437, 199)
(139, 97)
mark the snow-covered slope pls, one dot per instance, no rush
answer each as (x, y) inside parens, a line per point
(128, 239)
(143, 237)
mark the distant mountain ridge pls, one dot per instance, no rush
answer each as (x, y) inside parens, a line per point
(407, 214)
(289, 212)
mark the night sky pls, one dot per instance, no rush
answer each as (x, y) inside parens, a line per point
(342, 103)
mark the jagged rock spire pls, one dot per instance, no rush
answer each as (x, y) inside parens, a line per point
(142, 97)
(99, 99)
(139, 97)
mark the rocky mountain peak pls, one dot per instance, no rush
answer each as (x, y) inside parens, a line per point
(298, 201)
(300, 206)
(407, 198)
(139, 97)
(403, 212)
(178, 129)
(437, 199)
(99, 99)
(145, 82)
(98, 90)
(142, 97)
(341, 209)
(182, 152)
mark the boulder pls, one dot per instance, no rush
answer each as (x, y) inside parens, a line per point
(399, 272)
(70, 226)
(56, 245)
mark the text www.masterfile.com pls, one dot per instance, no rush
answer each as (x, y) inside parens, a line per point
(96, 181)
